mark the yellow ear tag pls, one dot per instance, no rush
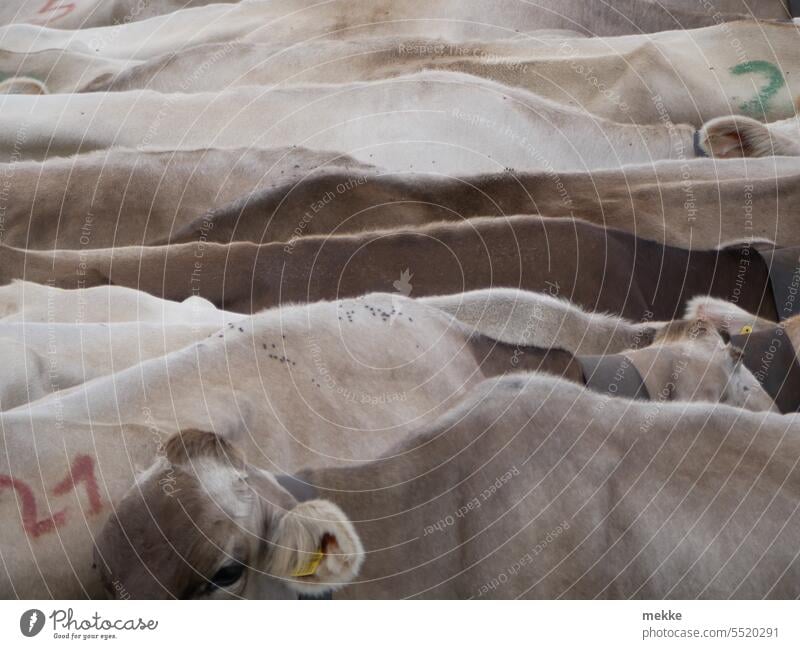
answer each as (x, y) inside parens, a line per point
(311, 567)
(747, 329)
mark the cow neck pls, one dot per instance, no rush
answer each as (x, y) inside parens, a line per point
(783, 265)
(771, 357)
(737, 274)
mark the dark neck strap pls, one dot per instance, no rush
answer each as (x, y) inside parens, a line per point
(300, 490)
(698, 150)
(613, 374)
(770, 356)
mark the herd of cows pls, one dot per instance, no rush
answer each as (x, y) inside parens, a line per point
(399, 298)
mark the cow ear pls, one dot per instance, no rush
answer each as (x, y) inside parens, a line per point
(22, 86)
(736, 354)
(725, 316)
(315, 548)
(189, 446)
(735, 137)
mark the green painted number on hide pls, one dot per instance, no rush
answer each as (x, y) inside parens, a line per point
(758, 106)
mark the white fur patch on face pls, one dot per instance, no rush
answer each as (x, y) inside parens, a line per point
(225, 486)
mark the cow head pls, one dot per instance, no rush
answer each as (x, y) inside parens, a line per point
(744, 137)
(691, 361)
(725, 316)
(203, 523)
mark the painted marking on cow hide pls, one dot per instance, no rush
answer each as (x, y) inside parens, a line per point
(81, 472)
(31, 523)
(54, 6)
(758, 106)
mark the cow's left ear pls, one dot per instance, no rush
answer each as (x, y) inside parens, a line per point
(736, 354)
(735, 137)
(315, 548)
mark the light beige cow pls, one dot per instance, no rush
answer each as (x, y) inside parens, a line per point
(284, 21)
(330, 383)
(520, 317)
(684, 203)
(81, 14)
(687, 76)
(529, 488)
(442, 122)
(264, 195)
(25, 302)
(42, 358)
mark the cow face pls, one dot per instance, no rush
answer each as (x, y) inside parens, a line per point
(202, 523)
(691, 361)
(744, 137)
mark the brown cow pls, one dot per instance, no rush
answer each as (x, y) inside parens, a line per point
(531, 487)
(680, 203)
(598, 269)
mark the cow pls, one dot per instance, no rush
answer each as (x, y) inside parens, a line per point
(39, 359)
(598, 269)
(125, 197)
(639, 79)
(82, 14)
(267, 195)
(679, 203)
(328, 383)
(461, 124)
(29, 303)
(530, 487)
(293, 21)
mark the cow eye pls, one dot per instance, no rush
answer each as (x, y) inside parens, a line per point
(228, 575)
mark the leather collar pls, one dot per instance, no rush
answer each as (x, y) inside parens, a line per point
(613, 374)
(300, 490)
(698, 150)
